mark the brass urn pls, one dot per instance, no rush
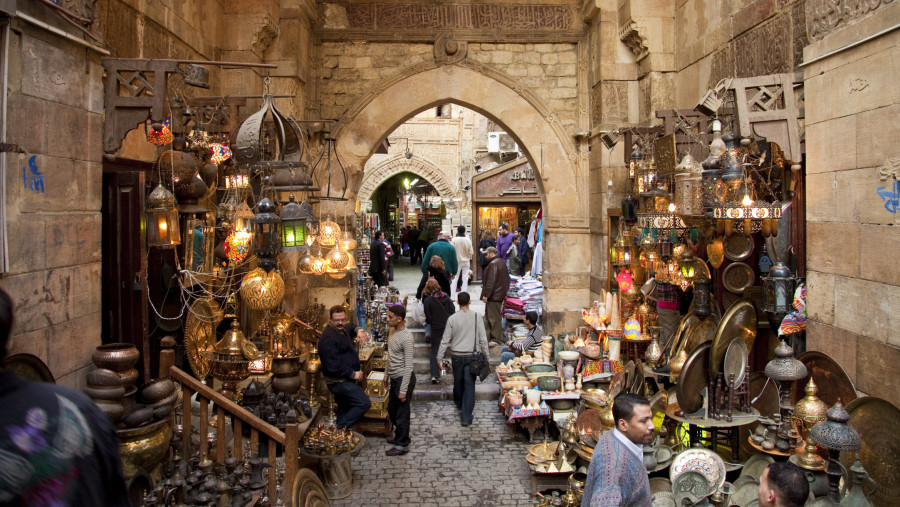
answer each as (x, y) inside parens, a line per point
(230, 360)
(809, 410)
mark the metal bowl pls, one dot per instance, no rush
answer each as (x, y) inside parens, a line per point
(114, 410)
(116, 356)
(158, 389)
(103, 377)
(109, 393)
(143, 448)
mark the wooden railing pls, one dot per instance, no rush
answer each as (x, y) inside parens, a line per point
(286, 441)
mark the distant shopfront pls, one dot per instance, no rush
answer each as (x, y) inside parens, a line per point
(505, 194)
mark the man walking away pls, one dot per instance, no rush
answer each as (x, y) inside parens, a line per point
(402, 379)
(464, 336)
(443, 249)
(414, 252)
(617, 475)
(341, 368)
(378, 260)
(464, 253)
(494, 287)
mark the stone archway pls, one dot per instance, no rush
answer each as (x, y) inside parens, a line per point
(419, 166)
(560, 164)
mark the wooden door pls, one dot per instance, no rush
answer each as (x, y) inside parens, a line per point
(125, 264)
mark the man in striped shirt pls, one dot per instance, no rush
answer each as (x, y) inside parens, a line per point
(531, 342)
(402, 379)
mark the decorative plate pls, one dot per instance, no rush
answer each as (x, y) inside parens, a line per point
(832, 380)
(28, 366)
(200, 334)
(689, 487)
(693, 379)
(737, 277)
(755, 465)
(703, 461)
(736, 359)
(738, 247)
(745, 493)
(877, 421)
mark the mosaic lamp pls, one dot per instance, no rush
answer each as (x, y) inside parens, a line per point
(163, 228)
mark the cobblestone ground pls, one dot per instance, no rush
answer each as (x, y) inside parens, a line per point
(447, 465)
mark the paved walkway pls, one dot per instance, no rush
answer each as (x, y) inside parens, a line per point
(448, 465)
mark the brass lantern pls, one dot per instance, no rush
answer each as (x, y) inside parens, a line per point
(293, 225)
(329, 232)
(162, 219)
(779, 293)
(688, 187)
(262, 290)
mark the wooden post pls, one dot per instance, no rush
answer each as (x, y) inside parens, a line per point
(166, 355)
(291, 453)
(186, 422)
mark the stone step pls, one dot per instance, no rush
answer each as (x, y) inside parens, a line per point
(443, 390)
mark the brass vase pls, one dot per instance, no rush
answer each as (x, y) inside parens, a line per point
(144, 448)
(809, 410)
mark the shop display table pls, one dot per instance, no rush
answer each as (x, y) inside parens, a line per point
(712, 433)
(529, 418)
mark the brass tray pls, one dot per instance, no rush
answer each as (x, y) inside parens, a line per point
(739, 322)
(693, 379)
(200, 334)
(878, 422)
(676, 343)
(703, 331)
(831, 379)
(637, 386)
(765, 394)
(736, 359)
(28, 366)
(738, 247)
(737, 277)
(590, 421)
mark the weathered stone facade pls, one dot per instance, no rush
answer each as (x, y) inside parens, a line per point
(853, 164)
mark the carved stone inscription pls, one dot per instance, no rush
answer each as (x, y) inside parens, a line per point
(765, 49)
(615, 102)
(472, 16)
(824, 16)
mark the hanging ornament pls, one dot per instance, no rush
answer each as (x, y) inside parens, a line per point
(632, 328)
(220, 152)
(329, 232)
(715, 251)
(159, 134)
(625, 280)
(261, 290)
(237, 246)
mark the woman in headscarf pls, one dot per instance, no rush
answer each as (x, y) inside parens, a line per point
(438, 308)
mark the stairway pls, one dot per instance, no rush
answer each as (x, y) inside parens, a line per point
(426, 391)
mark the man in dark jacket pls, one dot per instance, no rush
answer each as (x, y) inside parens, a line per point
(438, 308)
(341, 368)
(494, 288)
(443, 249)
(57, 446)
(378, 260)
(523, 250)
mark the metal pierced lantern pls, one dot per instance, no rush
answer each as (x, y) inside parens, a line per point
(629, 205)
(622, 251)
(785, 369)
(329, 232)
(836, 436)
(337, 259)
(778, 293)
(692, 268)
(318, 266)
(262, 290)
(268, 237)
(162, 219)
(688, 186)
(293, 226)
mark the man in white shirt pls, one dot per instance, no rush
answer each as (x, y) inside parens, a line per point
(464, 253)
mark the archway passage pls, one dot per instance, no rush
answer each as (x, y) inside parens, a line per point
(535, 128)
(418, 166)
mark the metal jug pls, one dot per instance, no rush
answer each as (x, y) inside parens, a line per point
(855, 495)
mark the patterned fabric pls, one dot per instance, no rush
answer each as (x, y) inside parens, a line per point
(598, 367)
(616, 476)
(56, 448)
(795, 322)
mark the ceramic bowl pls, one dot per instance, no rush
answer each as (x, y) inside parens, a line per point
(549, 383)
(158, 389)
(117, 357)
(540, 368)
(568, 355)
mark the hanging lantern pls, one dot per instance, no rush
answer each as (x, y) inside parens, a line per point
(220, 152)
(688, 186)
(329, 174)
(268, 238)
(691, 268)
(329, 232)
(237, 246)
(162, 219)
(348, 240)
(159, 134)
(304, 264)
(625, 280)
(318, 265)
(262, 290)
(293, 225)
(337, 259)
(715, 251)
(242, 219)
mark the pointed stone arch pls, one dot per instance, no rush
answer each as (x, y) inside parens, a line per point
(560, 164)
(418, 165)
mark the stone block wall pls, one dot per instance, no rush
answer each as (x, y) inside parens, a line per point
(853, 163)
(55, 107)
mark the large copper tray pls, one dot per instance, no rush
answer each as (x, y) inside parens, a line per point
(878, 423)
(832, 381)
(739, 322)
(629, 376)
(693, 379)
(765, 394)
(702, 331)
(200, 334)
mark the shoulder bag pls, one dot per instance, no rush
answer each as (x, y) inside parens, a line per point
(479, 366)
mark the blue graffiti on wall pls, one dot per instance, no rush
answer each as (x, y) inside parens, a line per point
(35, 180)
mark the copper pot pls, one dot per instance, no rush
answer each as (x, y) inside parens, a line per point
(128, 377)
(289, 385)
(109, 393)
(118, 357)
(158, 389)
(144, 448)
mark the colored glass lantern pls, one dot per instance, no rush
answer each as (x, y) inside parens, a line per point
(625, 280)
(163, 229)
(293, 225)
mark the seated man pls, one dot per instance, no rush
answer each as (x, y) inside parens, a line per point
(531, 342)
(782, 485)
(341, 368)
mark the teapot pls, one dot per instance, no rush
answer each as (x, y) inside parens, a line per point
(650, 460)
(856, 496)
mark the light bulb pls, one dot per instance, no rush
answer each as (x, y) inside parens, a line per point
(747, 201)
(672, 207)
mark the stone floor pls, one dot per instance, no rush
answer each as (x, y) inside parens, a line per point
(448, 465)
